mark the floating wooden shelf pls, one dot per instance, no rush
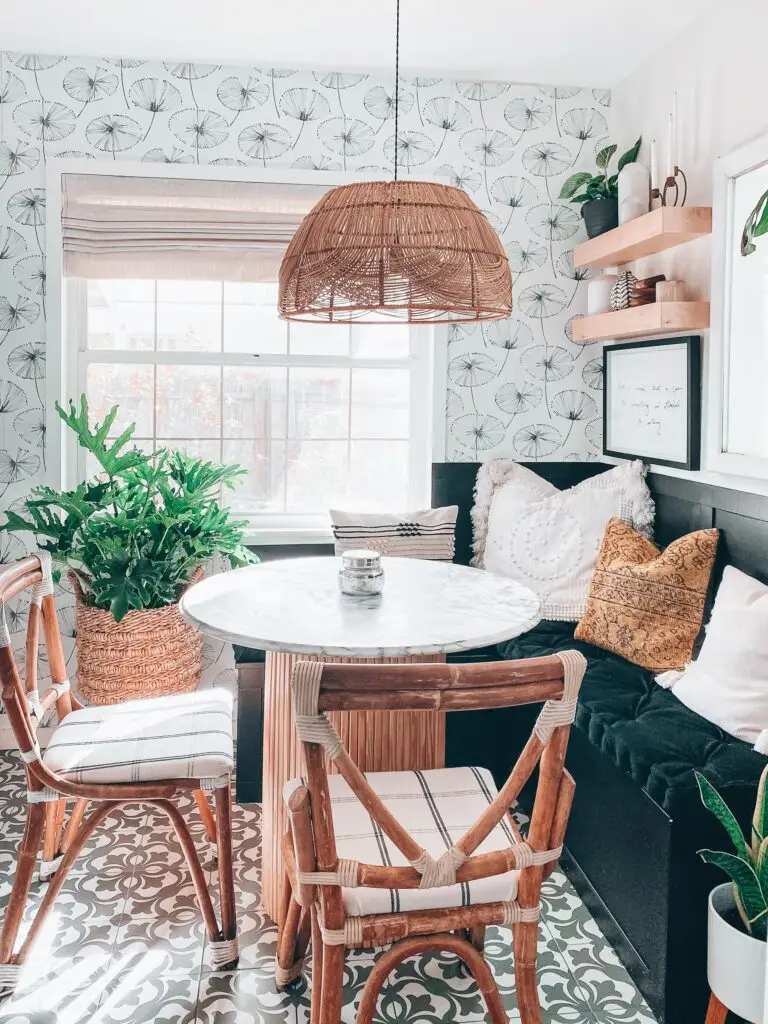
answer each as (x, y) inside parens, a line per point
(642, 321)
(662, 228)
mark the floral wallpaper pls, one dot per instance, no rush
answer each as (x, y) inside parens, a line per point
(519, 388)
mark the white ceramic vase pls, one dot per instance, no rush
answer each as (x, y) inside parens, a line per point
(634, 191)
(735, 961)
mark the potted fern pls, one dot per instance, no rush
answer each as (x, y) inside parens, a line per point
(738, 910)
(133, 539)
(599, 193)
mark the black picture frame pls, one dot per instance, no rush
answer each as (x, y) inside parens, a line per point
(692, 459)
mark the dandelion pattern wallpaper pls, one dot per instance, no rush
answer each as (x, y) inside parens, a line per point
(518, 388)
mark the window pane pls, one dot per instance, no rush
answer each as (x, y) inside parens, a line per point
(380, 400)
(254, 401)
(121, 315)
(124, 384)
(251, 323)
(378, 471)
(188, 401)
(317, 475)
(189, 316)
(380, 341)
(319, 403)
(263, 490)
(197, 448)
(319, 339)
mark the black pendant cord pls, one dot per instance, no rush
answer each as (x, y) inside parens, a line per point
(397, 77)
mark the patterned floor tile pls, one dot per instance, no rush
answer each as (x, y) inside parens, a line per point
(58, 992)
(247, 997)
(142, 994)
(126, 944)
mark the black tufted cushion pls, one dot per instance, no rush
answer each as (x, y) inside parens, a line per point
(644, 729)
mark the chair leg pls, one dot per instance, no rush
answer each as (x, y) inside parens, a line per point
(717, 1012)
(287, 963)
(223, 804)
(477, 937)
(316, 995)
(333, 985)
(31, 842)
(206, 814)
(54, 823)
(524, 938)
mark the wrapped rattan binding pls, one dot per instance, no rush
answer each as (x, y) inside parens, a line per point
(405, 250)
(150, 653)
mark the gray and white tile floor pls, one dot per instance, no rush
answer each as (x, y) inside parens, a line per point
(125, 944)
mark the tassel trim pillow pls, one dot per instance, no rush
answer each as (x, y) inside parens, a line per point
(547, 539)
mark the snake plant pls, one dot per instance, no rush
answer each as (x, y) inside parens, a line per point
(747, 867)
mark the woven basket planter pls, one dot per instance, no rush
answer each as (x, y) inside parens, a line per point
(149, 653)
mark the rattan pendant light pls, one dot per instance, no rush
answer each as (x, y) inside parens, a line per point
(377, 251)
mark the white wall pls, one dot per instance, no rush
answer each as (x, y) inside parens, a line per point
(717, 67)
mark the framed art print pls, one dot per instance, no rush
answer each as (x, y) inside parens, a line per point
(652, 401)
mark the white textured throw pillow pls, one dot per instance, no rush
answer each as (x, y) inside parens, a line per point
(728, 683)
(429, 533)
(548, 539)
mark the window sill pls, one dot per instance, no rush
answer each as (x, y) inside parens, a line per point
(287, 536)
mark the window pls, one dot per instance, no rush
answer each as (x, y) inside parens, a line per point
(318, 415)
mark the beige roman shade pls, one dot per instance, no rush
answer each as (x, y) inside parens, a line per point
(179, 228)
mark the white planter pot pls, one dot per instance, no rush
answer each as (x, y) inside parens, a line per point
(735, 961)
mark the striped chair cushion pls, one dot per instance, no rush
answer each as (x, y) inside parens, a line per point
(184, 736)
(436, 807)
(426, 534)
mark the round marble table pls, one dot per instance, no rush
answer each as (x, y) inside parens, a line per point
(293, 609)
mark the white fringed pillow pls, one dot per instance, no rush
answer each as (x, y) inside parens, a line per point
(548, 539)
(429, 533)
(728, 683)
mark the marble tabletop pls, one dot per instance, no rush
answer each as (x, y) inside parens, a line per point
(295, 605)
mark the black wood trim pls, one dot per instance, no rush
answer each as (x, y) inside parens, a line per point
(250, 733)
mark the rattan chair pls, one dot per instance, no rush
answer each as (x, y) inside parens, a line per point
(460, 864)
(176, 744)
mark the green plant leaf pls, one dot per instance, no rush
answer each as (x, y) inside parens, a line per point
(760, 817)
(715, 803)
(758, 218)
(135, 538)
(750, 892)
(631, 155)
(572, 185)
(603, 158)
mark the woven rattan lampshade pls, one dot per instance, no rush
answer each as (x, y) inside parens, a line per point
(378, 251)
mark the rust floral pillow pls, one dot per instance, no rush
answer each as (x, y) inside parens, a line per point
(646, 604)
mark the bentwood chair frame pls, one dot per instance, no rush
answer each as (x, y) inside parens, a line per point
(312, 895)
(48, 792)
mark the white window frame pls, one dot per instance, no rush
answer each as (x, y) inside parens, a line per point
(716, 389)
(67, 357)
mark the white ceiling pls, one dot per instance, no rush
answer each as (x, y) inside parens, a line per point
(551, 41)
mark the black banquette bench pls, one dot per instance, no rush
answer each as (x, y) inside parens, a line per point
(637, 821)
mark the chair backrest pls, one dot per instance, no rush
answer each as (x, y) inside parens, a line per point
(553, 681)
(21, 699)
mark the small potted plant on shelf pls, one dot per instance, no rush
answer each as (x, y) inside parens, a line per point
(599, 193)
(133, 539)
(738, 910)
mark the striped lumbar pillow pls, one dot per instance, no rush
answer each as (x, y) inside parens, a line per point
(426, 534)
